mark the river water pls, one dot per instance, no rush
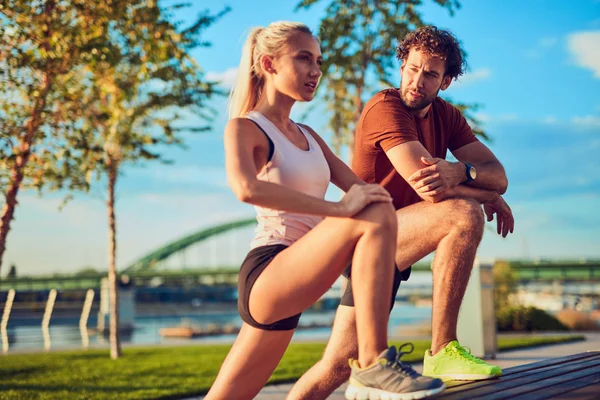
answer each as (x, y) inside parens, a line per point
(64, 332)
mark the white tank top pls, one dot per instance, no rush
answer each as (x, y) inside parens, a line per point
(305, 171)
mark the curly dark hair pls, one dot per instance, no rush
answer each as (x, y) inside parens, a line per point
(436, 42)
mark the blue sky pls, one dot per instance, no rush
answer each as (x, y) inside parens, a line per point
(534, 67)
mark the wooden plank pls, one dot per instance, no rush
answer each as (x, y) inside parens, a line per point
(509, 373)
(537, 381)
(548, 387)
(584, 388)
(521, 371)
(501, 387)
(551, 361)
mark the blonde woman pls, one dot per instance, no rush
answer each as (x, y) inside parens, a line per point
(302, 242)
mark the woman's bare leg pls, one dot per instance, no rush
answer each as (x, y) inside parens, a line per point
(297, 277)
(248, 365)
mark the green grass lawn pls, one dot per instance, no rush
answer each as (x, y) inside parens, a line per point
(159, 372)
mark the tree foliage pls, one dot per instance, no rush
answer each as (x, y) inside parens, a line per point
(359, 38)
(146, 84)
(88, 86)
(138, 93)
(44, 45)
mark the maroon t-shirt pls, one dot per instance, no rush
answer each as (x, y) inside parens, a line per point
(386, 123)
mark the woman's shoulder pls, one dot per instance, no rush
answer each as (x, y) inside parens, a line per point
(245, 129)
(239, 122)
(236, 126)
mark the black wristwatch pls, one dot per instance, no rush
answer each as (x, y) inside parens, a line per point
(471, 173)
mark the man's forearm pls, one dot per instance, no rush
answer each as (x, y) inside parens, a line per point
(481, 195)
(490, 176)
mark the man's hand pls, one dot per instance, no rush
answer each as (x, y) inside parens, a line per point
(504, 218)
(437, 197)
(438, 176)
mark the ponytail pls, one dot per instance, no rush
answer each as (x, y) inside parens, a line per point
(244, 95)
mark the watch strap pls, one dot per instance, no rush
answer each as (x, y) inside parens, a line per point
(468, 172)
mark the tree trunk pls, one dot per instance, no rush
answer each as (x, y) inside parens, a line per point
(115, 343)
(18, 169)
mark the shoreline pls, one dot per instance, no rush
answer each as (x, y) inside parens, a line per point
(300, 340)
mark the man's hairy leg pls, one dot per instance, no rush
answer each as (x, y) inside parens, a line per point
(453, 228)
(332, 370)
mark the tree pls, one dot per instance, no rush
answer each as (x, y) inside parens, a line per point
(12, 272)
(505, 285)
(135, 98)
(359, 38)
(88, 272)
(42, 44)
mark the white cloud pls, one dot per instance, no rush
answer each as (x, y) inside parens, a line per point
(548, 42)
(543, 46)
(550, 120)
(186, 175)
(587, 120)
(190, 174)
(473, 76)
(227, 77)
(585, 48)
(78, 211)
(483, 117)
(182, 201)
(496, 118)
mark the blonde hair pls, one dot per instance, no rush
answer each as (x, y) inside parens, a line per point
(250, 76)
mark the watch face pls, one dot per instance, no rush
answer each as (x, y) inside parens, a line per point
(472, 172)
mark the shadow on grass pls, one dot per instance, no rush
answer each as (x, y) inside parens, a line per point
(15, 372)
(521, 346)
(88, 356)
(72, 388)
(144, 352)
(162, 375)
(203, 391)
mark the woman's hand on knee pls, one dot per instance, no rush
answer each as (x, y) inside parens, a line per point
(360, 196)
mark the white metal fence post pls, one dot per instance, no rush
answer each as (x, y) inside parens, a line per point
(46, 319)
(5, 316)
(85, 313)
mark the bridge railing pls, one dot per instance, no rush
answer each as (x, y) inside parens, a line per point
(525, 273)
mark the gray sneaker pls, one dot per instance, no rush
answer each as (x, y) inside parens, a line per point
(390, 379)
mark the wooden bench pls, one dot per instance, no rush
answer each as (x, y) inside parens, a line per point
(572, 377)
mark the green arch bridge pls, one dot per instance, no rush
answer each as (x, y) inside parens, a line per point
(151, 260)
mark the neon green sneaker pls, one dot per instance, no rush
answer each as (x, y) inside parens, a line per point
(454, 362)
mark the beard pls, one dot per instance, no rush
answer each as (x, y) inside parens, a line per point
(418, 104)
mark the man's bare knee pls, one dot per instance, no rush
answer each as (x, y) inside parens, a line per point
(467, 215)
